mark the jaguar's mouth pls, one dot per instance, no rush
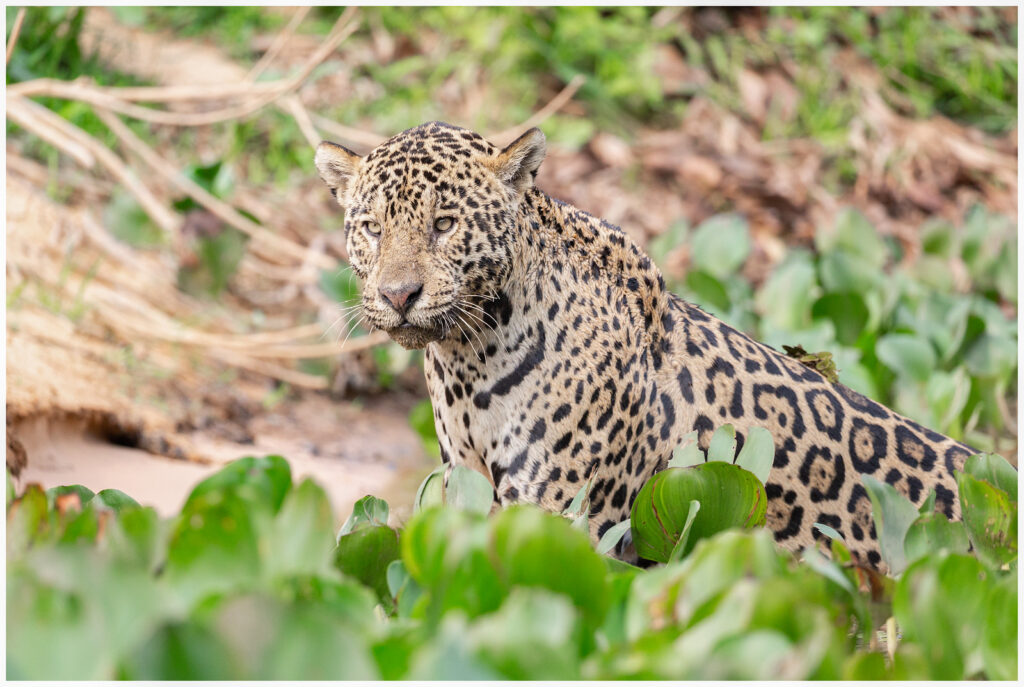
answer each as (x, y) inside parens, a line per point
(409, 335)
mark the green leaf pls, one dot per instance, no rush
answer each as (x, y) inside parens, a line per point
(431, 489)
(933, 532)
(365, 555)
(991, 356)
(827, 568)
(181, 651)
(853, 233)
(940, 604)
(994, 469)
(928, 506)
(660, 246)
(469, 490)
(421, 419)
(785, 299)
(214, 544)
(866, 665)
(729, 496)
(117, 500)
(894, 515)
(534, 549)
(687, 453)
(612, 536)
(533, 636)
(828, 531)
(999, 632)
(84, 494)
(758, 453)
(708, 290)
(368, 511)
(847, 273)
(678, 551)
(267, 479)
(907, 354)
(991, 519)
(299, 541)
(340, 285)
(846, 310)
(720, 245)
(723, 444)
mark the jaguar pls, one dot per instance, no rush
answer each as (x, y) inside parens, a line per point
(554, 354)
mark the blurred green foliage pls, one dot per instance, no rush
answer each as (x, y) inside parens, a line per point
(249, 581)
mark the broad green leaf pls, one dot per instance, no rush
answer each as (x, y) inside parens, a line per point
(785, 298)
(431, 489)
(368, 511)
(299, 541)
(894, 515)
(758, 453)
(181, 651)
(828, 531)
(309, 644)
(827, 568)
(612, 536)
(708, 290)
(991, 356)
(853, 233)
(365, 555)
(532, 548)
(848, 273)
(469, 490)
(421, 419)
(720, 245)
(446, 551)
(928, 505)
(214, 544)
(531, 637)
(846, 310)
(994, 469)
(267, 479)
(866, 665)
(907, 354)
(999, 633)
(138, 536)
(729, 496)
(933, 532)
(940, 603)
(116, 500)
(723, 444)
(661, 245)
(27, 519)
(991, 519)
(84, 494)
(687, 453)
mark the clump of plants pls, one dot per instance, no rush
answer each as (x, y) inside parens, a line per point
(251, 581)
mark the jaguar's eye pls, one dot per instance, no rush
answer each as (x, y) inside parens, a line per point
(371, 228)
(443, 224)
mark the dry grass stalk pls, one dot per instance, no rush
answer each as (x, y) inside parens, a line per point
(279, 42)
(80, 91)
(69, 138)
(271, 242)
(556, 104)
(15, 32)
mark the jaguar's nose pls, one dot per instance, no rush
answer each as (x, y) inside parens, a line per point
(401, 296)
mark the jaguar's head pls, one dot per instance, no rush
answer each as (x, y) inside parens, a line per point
(430, 217)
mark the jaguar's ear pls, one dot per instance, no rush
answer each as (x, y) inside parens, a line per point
(517, 164)
(336, 165)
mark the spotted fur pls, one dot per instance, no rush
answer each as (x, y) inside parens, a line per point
(554, 351)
